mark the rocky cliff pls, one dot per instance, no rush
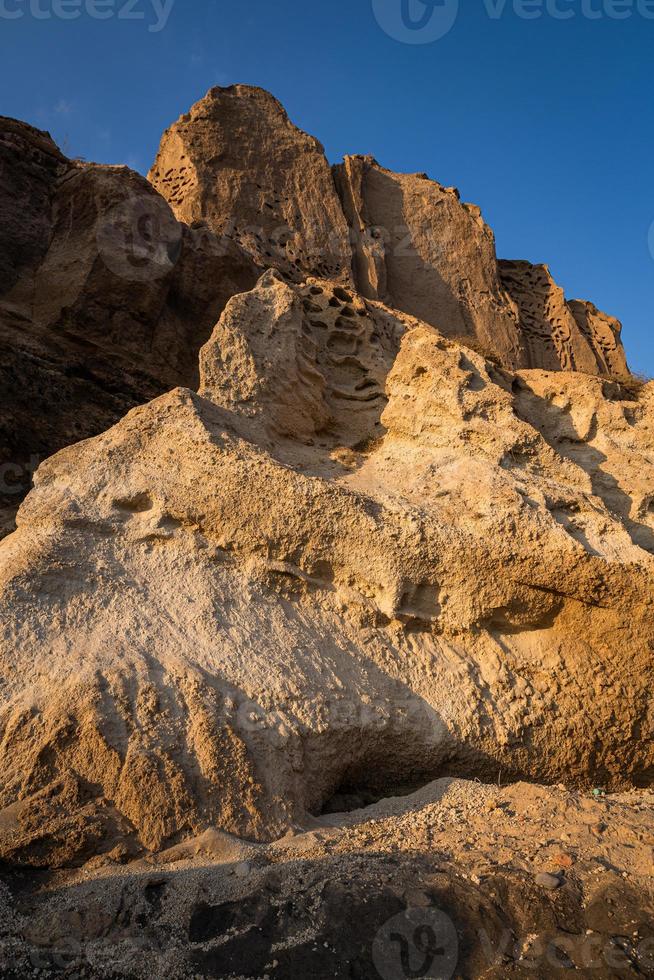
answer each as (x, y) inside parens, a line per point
(105, 299)
(385, 518)
(237, 164)
(109, 289)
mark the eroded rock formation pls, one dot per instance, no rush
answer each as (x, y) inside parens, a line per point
(363, 552)
(572, 336)
(236, 163)
(418, 248)
(366, 541)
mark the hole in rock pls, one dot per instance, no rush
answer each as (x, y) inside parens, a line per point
(349, 796)
(138, 504)
(343, 295)
(342, 343)
(391, 769)
(620, 391)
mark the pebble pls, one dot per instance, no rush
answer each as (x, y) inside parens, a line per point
(417, 899)
(242, 870)
(549, 882)
(563, 860)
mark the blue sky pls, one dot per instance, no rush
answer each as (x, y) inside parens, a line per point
(544, 122)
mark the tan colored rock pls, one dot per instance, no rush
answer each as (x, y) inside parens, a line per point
(236, 163)
(419, 249)
(244, 618)
(261, 361)
(363, 556)
(307, 362)
(603, 333)
(559, 335)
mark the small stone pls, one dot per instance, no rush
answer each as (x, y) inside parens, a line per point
(416, 899)
(563, 860)
(242, 870)
(548, 881)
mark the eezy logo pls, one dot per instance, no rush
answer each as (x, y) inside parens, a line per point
(416, 21)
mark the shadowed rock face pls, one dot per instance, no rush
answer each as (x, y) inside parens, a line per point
(419, 249)
(29, 166)
(105, 299)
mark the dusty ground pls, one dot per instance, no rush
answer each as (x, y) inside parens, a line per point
(454, 868)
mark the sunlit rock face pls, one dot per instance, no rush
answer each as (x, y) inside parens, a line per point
(386, 513)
